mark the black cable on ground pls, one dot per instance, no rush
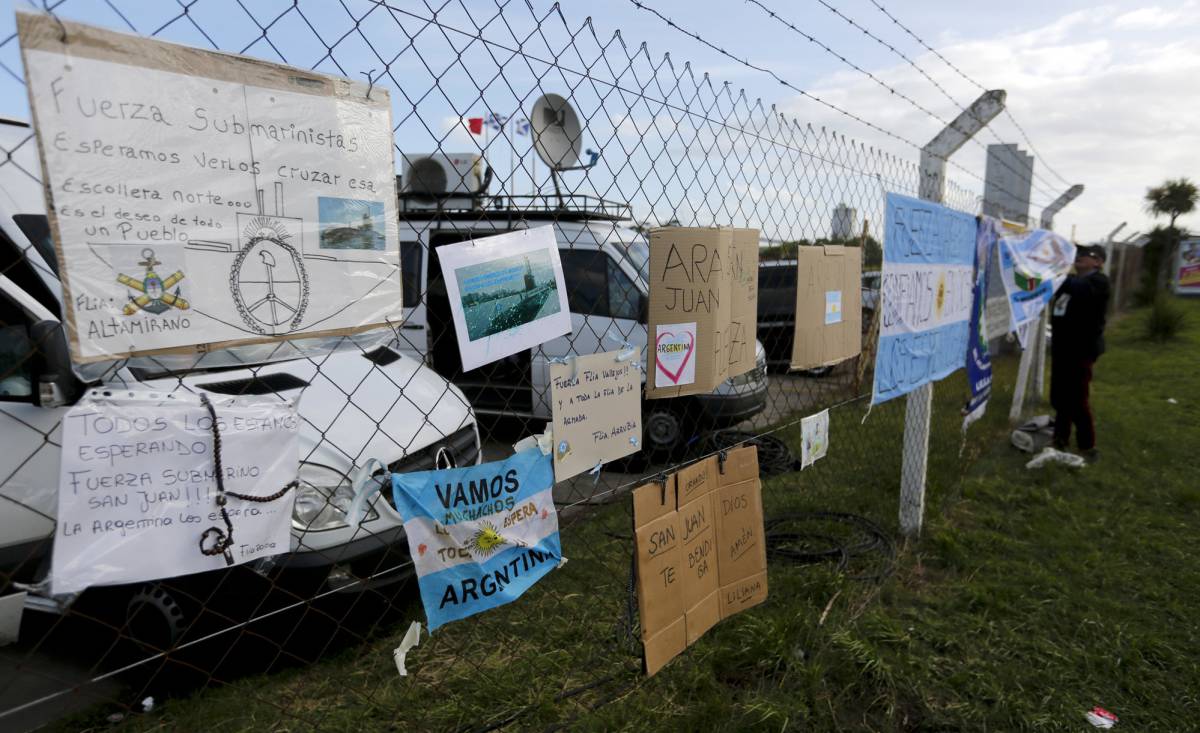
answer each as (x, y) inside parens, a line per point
(840, 537)
(774, 455)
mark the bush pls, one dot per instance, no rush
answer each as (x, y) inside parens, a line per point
(1152, 254)
(1165, 319)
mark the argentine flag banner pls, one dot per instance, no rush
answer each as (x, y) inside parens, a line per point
(479, 536)
(925, 295)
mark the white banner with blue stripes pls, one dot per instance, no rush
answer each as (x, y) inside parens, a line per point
(928, 278)
(479, 536)
(1032, 267)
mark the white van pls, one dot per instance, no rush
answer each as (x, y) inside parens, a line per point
(606, 268)
(354, 405)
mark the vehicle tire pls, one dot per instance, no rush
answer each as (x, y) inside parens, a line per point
(662, 432)
(155, 619)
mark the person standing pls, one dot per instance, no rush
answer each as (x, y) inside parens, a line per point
(1077, 319)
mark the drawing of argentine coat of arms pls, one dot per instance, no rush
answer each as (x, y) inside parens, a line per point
(154, 291)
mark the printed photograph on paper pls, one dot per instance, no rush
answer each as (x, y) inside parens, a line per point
(351, 224)
(508, 292)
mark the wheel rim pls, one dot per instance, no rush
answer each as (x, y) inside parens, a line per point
(663, 429)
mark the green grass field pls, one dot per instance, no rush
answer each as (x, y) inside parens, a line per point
(1031, 597)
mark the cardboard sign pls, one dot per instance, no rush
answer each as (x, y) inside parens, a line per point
(479, 536)
(701, 553)
(743, 310)
(828, 306)
(597, 414)
(201, 200)
(703, 308)
(138, 488)
(925, 295)
(507, 293)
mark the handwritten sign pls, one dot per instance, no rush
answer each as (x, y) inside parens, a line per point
(814, 438)
(703, 307)
(201, 199)
(701, 553)
(138, 486)
(479, 536)
(597, 411)
(926, 295)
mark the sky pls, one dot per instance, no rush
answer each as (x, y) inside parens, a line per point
(1106, 93)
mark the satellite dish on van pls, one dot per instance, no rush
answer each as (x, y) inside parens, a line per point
(557, 134)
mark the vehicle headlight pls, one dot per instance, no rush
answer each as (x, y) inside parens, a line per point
(323, 497)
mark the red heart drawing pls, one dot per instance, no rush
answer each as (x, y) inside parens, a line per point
(683, 364)
(421, 548)
(545, 513)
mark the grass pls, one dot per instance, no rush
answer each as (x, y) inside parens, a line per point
(1031, 597)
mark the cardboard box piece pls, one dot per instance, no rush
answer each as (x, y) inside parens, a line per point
(828, 306)
(701, 555)
(704, 305)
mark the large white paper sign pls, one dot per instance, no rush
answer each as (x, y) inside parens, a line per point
(200, 200)
(138, 486)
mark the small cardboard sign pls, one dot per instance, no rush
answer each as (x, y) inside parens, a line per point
(828, 306)
(701, 554)
(703, 307)
(597, 411)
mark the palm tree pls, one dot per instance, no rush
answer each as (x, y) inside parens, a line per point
(1172, 199)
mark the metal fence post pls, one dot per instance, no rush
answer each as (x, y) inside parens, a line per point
(1066, 197)
(919, 406)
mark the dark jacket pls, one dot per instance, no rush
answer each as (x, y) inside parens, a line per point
(1077, 316)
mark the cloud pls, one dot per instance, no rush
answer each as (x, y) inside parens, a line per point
(1106, 103)
(1155, 17)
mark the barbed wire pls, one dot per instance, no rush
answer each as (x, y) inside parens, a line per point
(976, 84)
(840, 110)
(896, 92)
(908, 60)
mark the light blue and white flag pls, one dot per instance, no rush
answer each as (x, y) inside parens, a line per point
(1032, 267)
(928, 277)
(495, 121)
(479, 536)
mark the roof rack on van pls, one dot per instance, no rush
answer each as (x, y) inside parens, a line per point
(537, 206)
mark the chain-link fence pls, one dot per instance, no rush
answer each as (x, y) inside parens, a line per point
(672, 145)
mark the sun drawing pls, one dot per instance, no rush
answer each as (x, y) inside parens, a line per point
(486, 539)
(941, 294)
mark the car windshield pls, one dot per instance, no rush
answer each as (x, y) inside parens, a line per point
(637, 252)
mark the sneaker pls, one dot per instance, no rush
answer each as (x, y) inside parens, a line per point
(1091, 456)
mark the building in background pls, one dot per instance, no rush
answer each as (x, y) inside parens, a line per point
(845, 219)
(1008, 182)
